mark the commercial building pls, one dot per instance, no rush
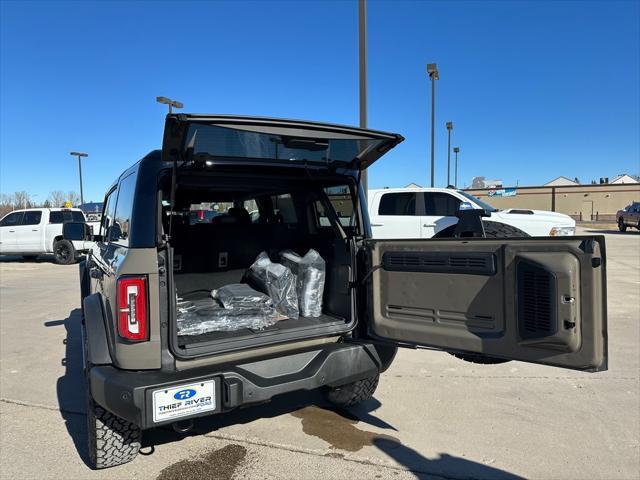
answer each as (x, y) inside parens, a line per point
(598, 202)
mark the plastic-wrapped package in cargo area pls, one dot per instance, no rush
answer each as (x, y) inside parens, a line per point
(240, 295)
(203, 316)
(276, 280)
(310, 277)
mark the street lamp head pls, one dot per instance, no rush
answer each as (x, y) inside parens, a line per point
(79, 154)
(168, 101)
(456, 149)
(432, 70)
(449, 125)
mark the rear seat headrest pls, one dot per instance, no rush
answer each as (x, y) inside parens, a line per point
(240, 214)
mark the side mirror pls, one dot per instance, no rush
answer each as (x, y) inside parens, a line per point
(114, 232)
(76, 231)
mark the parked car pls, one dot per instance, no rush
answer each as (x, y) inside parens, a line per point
(629, 216)
(431, 212)
(538, 300)
(36, 231)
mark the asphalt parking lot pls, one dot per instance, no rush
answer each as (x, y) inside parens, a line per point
(433, 416)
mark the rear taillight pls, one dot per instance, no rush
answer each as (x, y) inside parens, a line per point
(132, 308)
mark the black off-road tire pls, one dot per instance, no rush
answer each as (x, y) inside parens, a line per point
(353, 393)
(64, 253)
(622, 226)
(111, 440)
(491, 230)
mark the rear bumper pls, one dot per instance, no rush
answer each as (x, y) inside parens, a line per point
(128, 394)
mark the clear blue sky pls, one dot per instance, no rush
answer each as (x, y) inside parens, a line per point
(535, 89)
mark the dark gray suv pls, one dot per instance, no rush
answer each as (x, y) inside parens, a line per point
(283, 185)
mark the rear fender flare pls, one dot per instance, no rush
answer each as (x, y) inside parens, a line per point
(95, 329)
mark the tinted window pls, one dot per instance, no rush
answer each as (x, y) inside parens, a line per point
(284, 208)
(62, 216)
(398, 204)
(56, 217)
(32, 218)
(12, 219)
(342, 203)
(441, 204)
(124, 208)
(107, 213)
(230, 142)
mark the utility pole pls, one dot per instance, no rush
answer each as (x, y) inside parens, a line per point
(449, 128)
(80, 155)
(456, 150)
(432, 70)
(362, 55)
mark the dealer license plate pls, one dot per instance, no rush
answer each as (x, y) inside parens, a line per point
(185, 400)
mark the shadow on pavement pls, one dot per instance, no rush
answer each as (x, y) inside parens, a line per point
(445, 465)
(318, 419)
(71, 386)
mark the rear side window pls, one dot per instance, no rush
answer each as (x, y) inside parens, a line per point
(284, 208)
(122, 218)
(32, 218)
(56, 217)
(12, 219)
(402, 203)
(342, 202)
(62, 216)
(107, 213)
(441, 204)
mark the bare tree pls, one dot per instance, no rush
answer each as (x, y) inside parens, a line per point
(74, 198)
(6, 204)
(21, 199)
(57, 198)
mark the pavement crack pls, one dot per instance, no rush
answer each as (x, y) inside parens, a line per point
(40, 406)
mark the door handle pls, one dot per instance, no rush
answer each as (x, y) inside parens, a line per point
(377, 224)
(34, 230)
(11, 231)
(429, 225)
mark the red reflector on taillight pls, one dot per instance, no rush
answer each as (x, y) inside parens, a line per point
(132, 308)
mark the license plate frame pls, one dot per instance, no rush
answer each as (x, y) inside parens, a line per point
(171, 403)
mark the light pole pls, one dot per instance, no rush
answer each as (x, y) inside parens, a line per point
(362, 57)
(449, 128)
(432, 70)
(80, 155)
(171, 103)
(456, 150)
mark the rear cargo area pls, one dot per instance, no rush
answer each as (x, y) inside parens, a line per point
(219, 226)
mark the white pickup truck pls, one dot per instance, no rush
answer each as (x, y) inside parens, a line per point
(37, 231)
(431, 212)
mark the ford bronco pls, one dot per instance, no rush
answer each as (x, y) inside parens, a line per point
(275, 185)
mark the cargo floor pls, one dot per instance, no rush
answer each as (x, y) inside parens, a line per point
(283, 326)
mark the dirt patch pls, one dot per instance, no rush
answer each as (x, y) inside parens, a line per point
(339, 431)
(217, 465)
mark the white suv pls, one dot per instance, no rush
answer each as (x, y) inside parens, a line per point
(429, 212)
(37, 231)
